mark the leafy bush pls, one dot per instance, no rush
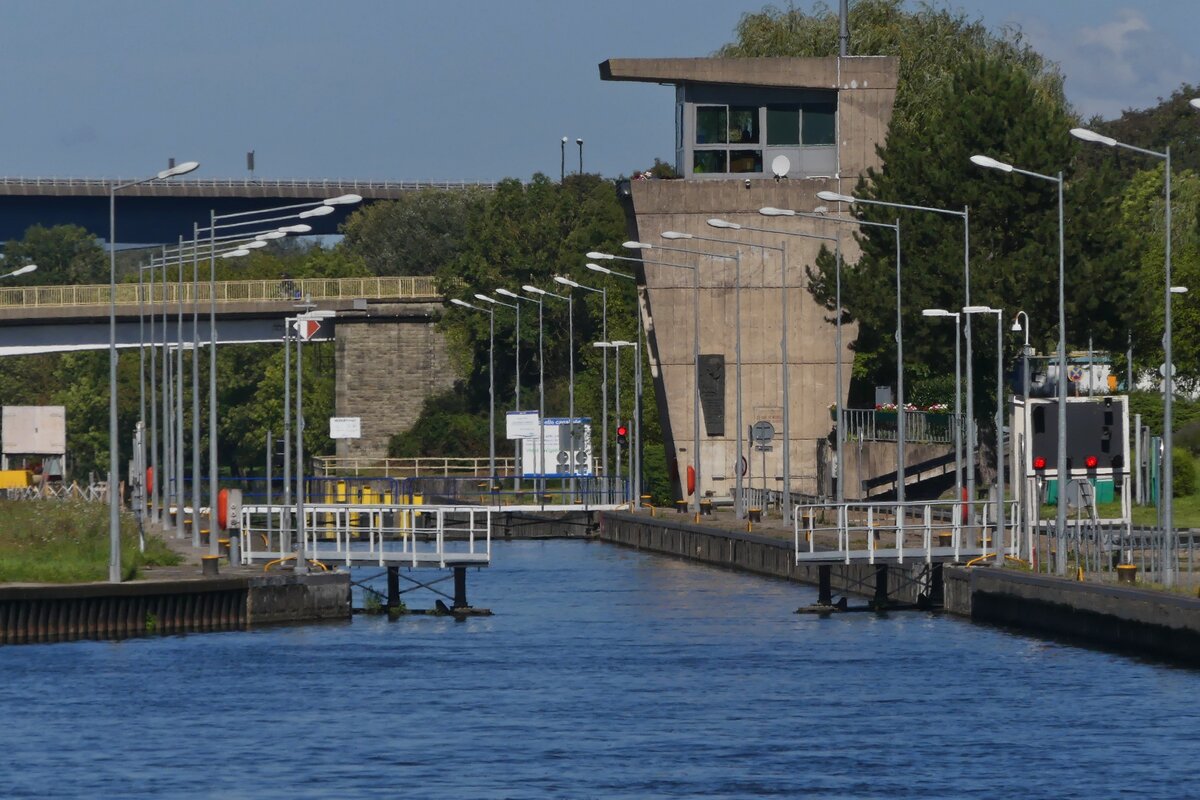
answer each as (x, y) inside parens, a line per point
(1184, 473)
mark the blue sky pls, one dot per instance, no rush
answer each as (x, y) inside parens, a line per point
(439, 89)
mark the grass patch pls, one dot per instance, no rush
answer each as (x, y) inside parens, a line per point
(53, 541)
(1186, 512)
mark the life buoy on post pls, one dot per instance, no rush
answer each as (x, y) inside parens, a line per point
(149, 480)
(691, 481)
(223, 509)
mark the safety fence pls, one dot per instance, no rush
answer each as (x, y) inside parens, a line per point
(412, 535)
(872, 425)
(419, 287)
(331, 466)
(323, 186)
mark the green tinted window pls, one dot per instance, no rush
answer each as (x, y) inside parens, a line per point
(743, 125)
(783, 124)
(745, 160)
(708, 161)
(819, 124)
(711, 125)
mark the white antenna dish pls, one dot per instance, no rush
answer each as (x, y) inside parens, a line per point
(780, 165)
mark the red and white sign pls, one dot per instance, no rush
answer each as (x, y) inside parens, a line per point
(307, 328)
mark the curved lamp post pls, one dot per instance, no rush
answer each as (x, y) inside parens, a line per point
(1168, 517)
(516, 307)
(958, 455)
(1060, 522)
(1000, 515)
(636, 475)
(603, 292)
(571, 360)
(491, 385)
(114, 500)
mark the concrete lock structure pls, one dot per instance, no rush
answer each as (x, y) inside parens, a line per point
(733, 118)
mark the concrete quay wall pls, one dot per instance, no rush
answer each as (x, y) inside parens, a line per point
(32, 613)
(761, 555)
(1137, 621)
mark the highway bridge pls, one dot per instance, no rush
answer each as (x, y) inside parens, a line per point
(159, 212)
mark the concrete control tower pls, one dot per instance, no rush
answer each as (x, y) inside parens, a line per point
(733, 117)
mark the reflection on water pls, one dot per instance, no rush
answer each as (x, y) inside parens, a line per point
(605, 673)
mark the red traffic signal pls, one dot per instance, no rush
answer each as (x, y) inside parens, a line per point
(622, 434)
(1091, 462)
(1039, 462)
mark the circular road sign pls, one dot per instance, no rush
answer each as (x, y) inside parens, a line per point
(762, 431)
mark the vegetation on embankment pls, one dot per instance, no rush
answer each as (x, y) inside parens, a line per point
(56, 541)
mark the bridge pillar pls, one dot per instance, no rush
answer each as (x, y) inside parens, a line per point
(824, 585)
(393, 587)
(881, 586)
(388, 363)
(460, 588)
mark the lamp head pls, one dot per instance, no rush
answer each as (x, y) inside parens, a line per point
(507, 293)
(1092, 136)
(1016, 326)
(565, 281)
(598, 268)
(25, 270)
(935, 312)
(1179, 290)
(564, 141)
(257, 243)
(771, 211)
(343, 200)
(599, 256)
(270, 235)
(978, 310)
(485, 298)
(579, 141)
(601, 344)
(301, 228)
(462, 303)
(319, 211)
(835, 197)
(991, 163)
(241, 251)
(636, 246)
(724, 223)
(530, 287)
(675, 235)
(179, 169)
(1194, 102)
(621, 343)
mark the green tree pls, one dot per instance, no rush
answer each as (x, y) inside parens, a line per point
(65, 254)
(933, 44)
(416, 235)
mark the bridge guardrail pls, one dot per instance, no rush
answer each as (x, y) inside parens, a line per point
(419, 287)
(336, 184)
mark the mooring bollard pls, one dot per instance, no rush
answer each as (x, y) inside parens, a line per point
(706, 508)
(1127, 573)
(646, 501)
(680, 506)
(210, 566)
(756, 515)
(945, 539)
(204, 537)
(223, 547)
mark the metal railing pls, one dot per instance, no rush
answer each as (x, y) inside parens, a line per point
(870, 425)
(420, 466)
(255, 183)
(421, 287)
(396, 534)
(918, 530)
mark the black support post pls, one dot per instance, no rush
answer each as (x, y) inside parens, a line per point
(460, 587)
(824, 585)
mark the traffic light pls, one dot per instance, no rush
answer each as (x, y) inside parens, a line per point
(622, 434)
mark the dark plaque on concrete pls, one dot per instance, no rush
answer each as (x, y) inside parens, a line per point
(712, 393)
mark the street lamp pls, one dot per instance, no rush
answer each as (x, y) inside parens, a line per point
(1168, 517)
(305, 210)
(1194, 102)
(958, 456)
(571, 359)
(539, 461)
(114, 501)
(637, 371)
(603, 292)
(1060, 519)
(25, 270)
(313, 315)
(617, 345)
(516, 307)
(739, 505)
(695, 363)
(1000, 515)
(491, 386)
(965, 214)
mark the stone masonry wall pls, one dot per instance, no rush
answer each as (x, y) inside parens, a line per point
(387, 364)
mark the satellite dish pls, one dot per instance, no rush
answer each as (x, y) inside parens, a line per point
(780, 165)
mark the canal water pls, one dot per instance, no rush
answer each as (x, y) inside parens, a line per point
(605, 673)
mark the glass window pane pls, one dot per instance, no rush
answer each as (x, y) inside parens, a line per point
(710, 124)
(745, 161)
(783, 124)
(818, 125)
(743, 125)
(704, 161)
